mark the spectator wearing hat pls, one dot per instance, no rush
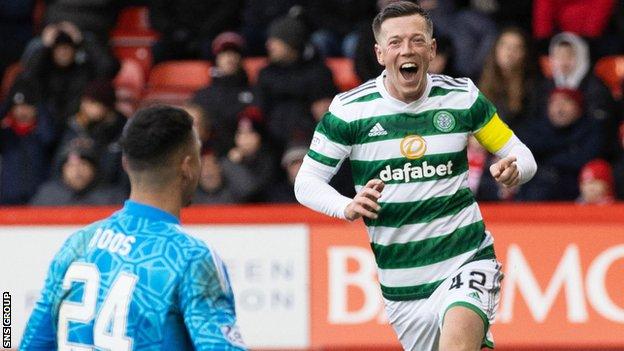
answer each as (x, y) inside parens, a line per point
(78, 184)
(188, 27)
(62, 67)
(250, 165)
(562, 141)
(26, 140)
(229, 92)
(98, 125)
(596, 183)
(572, 69)
(296, 88)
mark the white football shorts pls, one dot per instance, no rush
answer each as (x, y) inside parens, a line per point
(475, 285)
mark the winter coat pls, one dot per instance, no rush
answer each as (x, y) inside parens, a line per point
(223, 100)
(286, 92)
(25, 160)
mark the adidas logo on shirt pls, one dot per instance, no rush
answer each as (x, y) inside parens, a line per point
(377, 130)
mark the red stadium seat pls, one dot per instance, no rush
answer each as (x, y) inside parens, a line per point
(10, 74)
(133, 28)
(611, 70)
(175, 82)
(253, 65)
(343, 71)
(129, 84)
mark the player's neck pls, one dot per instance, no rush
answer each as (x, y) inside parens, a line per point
(404, 97)
(163, 200)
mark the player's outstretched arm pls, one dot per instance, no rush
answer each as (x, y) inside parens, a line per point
(207, 305)
(364, 203)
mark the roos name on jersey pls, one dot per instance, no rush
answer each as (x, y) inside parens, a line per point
(409, 172)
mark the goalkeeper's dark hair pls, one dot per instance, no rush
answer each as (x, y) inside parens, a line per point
(153, 135)
(400, 9)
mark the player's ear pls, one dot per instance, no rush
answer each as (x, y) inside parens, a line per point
(186, 168)
(379, 54)
(124, 163)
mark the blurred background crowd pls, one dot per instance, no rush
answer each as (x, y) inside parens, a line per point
(257, 75)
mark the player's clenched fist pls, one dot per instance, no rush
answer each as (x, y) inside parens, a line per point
(505, 171)
(364, 203)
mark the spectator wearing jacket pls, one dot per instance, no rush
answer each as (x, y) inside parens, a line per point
(26, 140)
(62, 67)
(250, 165)
(214, 186)
(228, 94)
(78, 184)
(562, 141)
(97, 125)
(296, 88)
(571, 69)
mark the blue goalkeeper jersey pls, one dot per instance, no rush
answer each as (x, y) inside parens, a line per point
(134, 281)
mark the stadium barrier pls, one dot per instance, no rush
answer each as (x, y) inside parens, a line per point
(304, 281)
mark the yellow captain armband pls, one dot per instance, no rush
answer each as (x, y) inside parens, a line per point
(494, 134)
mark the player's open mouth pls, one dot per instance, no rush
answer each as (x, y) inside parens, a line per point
(409, 71)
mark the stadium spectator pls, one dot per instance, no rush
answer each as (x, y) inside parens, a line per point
(26, 141)
(508, 77)
(562, 142)
(214, 187)
(188, 27)
(228, 93)
(16, 30)
(336, 23)
(62, 67)
(79, 184)
(94, 20)
(589, 19)
(571, 69)
(257, 15)
(618, 165)
(296, 88)
(472, 43)
(283, 191)
(97, 125)
(250, 165)
(596, 183)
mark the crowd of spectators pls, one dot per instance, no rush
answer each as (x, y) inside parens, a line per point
(60, 122)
